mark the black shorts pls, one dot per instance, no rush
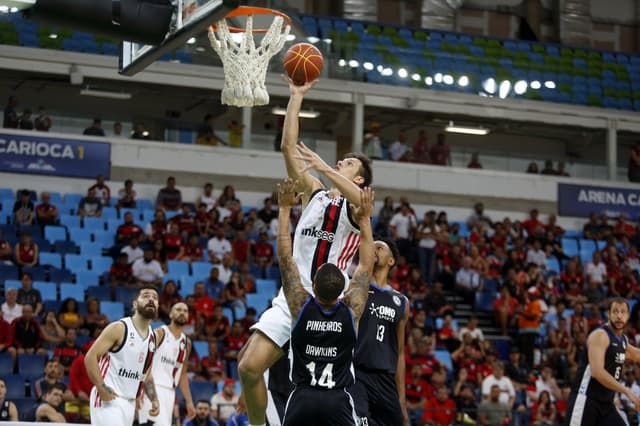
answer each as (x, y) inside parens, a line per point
(376, 399)
(313, 407)
(585, 411)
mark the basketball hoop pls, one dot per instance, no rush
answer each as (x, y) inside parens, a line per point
(245, 64)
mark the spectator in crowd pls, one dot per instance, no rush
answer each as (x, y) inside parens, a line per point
(127, 196)
(207, 198)
(235, 134)
(240, 248)
(27, 336)
(204, 224)
(633, 168)
(9, 409)
(473, 329)
(507, 390)
(53, 373)
(169, 198)
(42, 122)
(121, 272)
(533, 222)
(402, 226)
(441, 410)
(26, 251)
(548, 169)
(26, 122)
(168, 298)
(262, 251)
(91, 205)
(46, 212)
(596, 270)
(203, 415)
(69, 316)
(478, 216)
(493, 412)
(95, 129)
(147, 271)
(173, 245)
(6, 252)
(129, 230)
(234, 341)
(23, 209)
(536, 255)
(117, 130)
(139, 132)
(233, 295)
(546, 382)
(47, 411)
(52, 331)
(204, 305)
(27, 295)
(468, 281)
(474, 163)
(158, 227)
(186, 221)
(214, 286)
(417, 392)
(440, 153)
(68, 350)
(192, 251)
(11, 120)
(103, 192)
(223, 403)
(372, 142)
(94, 319)
(529, 323)
(218, 246)
(532, 168)
(6, 340)
(216, 325)
(399, 151)
(420, 149)
(224, 268)
(385, 214)
(428, 234)
(206, 133)
(11, 309)
(561, 169)
(267, 213)
(228, 200)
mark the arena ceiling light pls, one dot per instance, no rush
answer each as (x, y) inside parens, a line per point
(313, 39)
(520, 87)
(463, 81)
(535, 84)
(477, 131)
(504, 89)
(106, 94)
(302, 114)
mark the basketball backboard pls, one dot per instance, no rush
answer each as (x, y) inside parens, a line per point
(191, 17)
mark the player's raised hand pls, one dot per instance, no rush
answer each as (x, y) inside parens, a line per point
(365, 209)
(287, 193)
(295, 90)
(312, 160)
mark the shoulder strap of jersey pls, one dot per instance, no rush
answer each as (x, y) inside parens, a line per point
(124, 336)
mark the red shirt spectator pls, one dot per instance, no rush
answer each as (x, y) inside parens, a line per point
(532, 223)
(173, 243)
(66, 352)
(441, 410)
(186, 221)
(203, 304)
(234, 341)
(26, 333)
(46, 212)
(440, 153)
(79, 382)
(26, 251)
(262, 251)
(128, 229)
(420, 150)
(5, 335)
(240, 247)
(417, 389)
(217, 326)
(5, 250)
(120, 272)
(193, 251)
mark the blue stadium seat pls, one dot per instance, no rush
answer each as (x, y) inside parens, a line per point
(34, 230)
(258, 301)
(454, 323)
(201, 270)
(586, 255)
(113, 310)
(6, 193)
(8, 272)
(75, 262)
(55, 233)
(444, 358)
(104, 238)
(144, 204)
(109, 213)
(202, 390)
(273, 273)
(57, 275)
(552, 264)
(101, 264)
(101, 293)
(52, 259)
(72, 200)
(187, 285)
(266, 287)
(113, 224)
(70, 221)
(125, 295)
(201, 347)
(134, 212)
(48, 291)
(31, 366)
(89, 249)
(147, 216)
(503, 347)
(38, 273)
(6, 364)
(12, 284)
(177, 267)
(93, 224)
(570, 246)
(87, 278)
(228, 313)
(69, 290)
(78, 235)
(15, 386)
(587, 244)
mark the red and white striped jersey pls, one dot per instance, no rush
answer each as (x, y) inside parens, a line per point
(326, 232)
(169, 359)
(125, 369)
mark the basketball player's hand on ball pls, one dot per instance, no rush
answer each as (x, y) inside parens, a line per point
(106, 393)
(365, 209)
(155, 408)
(191, 410)
(295, 90)
(287, 193)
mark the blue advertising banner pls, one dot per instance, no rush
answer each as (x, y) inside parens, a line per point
(582, 200)
(54, 156)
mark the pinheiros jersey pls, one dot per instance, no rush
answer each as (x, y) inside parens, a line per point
(326, 232)
(125, 368)
(169, 359)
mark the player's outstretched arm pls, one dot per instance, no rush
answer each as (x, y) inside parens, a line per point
(347, 187)
(292, 287)
(290, 132)
(110, 337)
(356, 295)
(597, 346)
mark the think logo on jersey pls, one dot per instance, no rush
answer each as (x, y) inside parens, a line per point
(128, 374)
(318, 234)
(620, 358)
(383, 312)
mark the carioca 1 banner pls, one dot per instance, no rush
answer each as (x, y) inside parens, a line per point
(21, 153)
(582, 200)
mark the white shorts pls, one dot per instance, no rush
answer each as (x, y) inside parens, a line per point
(167, 400)
(275, 322)
(118, 411)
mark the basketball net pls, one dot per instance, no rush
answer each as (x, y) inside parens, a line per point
(244, 63)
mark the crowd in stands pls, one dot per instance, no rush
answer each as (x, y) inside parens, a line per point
(544, 289)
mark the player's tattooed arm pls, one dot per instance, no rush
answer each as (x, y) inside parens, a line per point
(292, 287)
(356, 295)
(150, 388)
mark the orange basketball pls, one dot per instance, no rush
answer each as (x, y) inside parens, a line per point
(303, 63)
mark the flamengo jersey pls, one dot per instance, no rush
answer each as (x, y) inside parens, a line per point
(614, 359)
(124, 369)
(168, 359)
(325, 233)
(377, 347)
(322, 345)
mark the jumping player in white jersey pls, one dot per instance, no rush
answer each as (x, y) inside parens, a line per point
(325, 233)
(167, 369)
(324, 328)
(119, 361)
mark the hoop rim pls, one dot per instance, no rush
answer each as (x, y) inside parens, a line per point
(253, 10)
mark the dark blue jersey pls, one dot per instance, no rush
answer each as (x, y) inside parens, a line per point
(613, 363)
(322, 344)
(377, 347)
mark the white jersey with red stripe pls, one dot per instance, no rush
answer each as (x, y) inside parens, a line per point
(125, 369)
(326, 233)
(169, 359)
